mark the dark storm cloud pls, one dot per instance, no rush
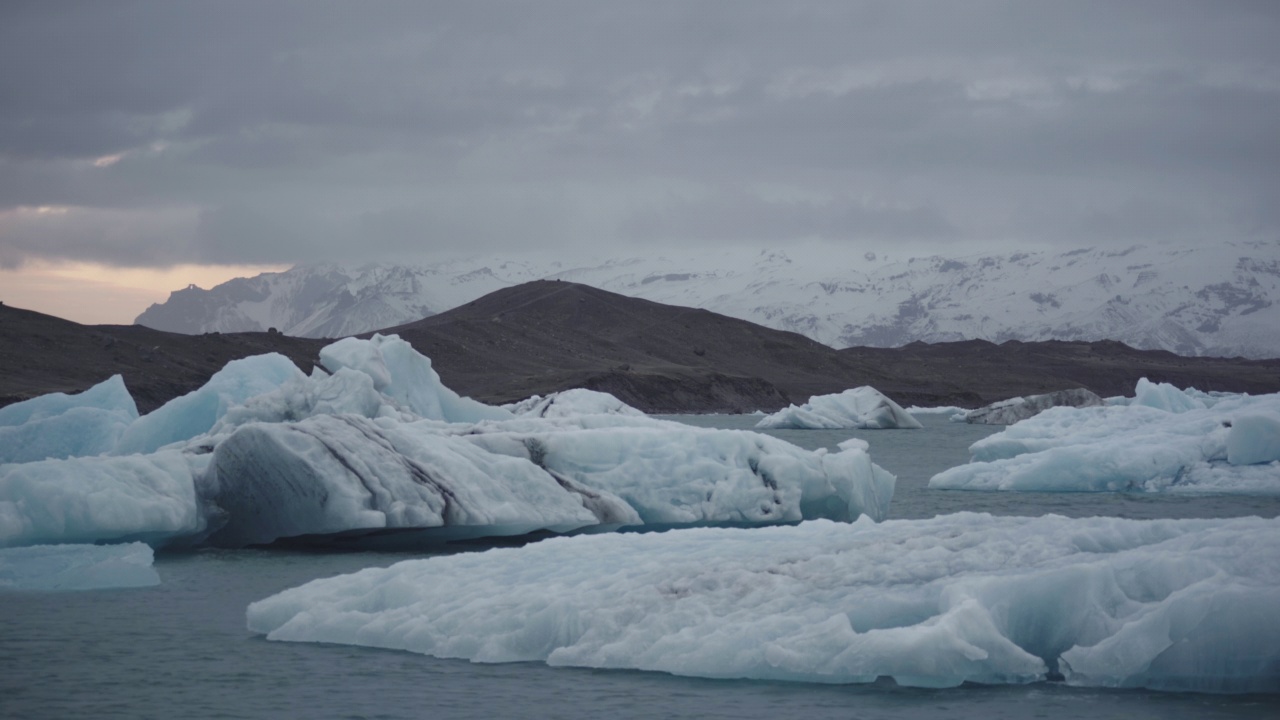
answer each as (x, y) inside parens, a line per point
(291, 131)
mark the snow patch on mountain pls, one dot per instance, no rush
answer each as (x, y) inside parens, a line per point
(1222, 300)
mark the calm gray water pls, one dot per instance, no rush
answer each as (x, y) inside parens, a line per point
(180, 650)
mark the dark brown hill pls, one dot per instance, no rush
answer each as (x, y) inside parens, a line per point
(548, 335)
(42, 354)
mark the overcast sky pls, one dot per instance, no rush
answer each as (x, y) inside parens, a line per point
(153, 134)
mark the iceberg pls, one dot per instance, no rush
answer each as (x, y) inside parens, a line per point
(1232, 446)
(861, 407)
(1008, 412)
(374, 445)
(58, 425)
(566, 403)
(1108, 602)
(340, 474)
(77, 567)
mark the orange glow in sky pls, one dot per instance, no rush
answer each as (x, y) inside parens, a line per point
(95, 294)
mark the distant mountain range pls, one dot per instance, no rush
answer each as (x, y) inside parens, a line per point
(1222, 300)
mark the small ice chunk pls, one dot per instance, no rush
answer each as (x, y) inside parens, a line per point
(861, 407)
(577, 401)
(77, 567)
(1254, 439)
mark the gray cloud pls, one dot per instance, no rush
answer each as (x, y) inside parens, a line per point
(291, 131)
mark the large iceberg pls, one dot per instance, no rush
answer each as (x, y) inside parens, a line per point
(77, 567)
(1161, 442)
(375, 444)
(859, 408)
(1167, 604)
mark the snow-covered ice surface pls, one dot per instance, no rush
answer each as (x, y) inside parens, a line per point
(861, 407)
(1164, 440)
(77, 567)
(1167, 604)
(378, 443)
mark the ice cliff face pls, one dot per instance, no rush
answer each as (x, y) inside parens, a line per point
(1219, 300)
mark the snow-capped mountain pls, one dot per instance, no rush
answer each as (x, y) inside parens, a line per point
(1221, 300)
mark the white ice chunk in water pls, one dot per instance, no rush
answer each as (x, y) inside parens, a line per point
(1166, 604)
(861, 407)
(77, 567)
(1254, 439)
(1132, 448)
(58, 425)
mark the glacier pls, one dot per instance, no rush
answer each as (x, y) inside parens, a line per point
(77, 567)
(374, 443)
(856, 408)
(1162, 440)
(1108, 602)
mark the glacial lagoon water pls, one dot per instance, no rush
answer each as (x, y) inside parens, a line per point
(180, 649)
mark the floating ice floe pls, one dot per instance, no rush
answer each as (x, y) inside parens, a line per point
(1008, 412)
(1158, 444)
(375, 444)
(861, 407)
(1166, 604)
(77, 567)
